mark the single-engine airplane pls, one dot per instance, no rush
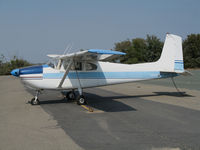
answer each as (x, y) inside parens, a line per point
(90, 68)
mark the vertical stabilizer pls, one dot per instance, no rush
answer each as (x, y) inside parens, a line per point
(171, 59)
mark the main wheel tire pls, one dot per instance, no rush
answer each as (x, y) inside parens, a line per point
(81, 100)
(35, 101)
(71, 95)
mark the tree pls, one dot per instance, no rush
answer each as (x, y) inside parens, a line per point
(154, 48)
(2, 59)
(140, 50)
(7, 66)
(137, 52)
(123, 46)
(191, 51)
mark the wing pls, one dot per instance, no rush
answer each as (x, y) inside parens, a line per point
(53, 56)
(105, 54)
(91, 54)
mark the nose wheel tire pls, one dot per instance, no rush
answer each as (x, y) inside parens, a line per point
(35, 101)
(81, 100)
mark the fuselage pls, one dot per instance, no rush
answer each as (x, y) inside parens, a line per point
(90, 74)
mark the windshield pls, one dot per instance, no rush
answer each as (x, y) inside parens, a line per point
(52, 63)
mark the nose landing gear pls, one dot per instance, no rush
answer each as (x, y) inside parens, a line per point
(35, 100)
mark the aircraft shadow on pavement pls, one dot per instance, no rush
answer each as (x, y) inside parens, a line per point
(107, 103)
(112, 103)
(176, 94)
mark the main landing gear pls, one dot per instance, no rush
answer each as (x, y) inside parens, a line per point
(71, 95)
(80, 100)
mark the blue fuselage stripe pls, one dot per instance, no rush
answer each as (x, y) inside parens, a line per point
(109, 75)
(179, 62)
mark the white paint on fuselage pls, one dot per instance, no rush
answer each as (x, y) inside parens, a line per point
(102, 67)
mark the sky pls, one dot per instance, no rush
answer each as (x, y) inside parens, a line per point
(31, 29)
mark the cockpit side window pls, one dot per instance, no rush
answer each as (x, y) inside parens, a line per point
(77, 66)
(90, 66)
(66, 63)
(52, 63)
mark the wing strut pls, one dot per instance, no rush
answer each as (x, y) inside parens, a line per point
(66, 73)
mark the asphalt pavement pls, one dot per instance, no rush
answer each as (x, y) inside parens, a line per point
(127, 116)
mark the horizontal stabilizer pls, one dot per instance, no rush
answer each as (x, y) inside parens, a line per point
(186, 73)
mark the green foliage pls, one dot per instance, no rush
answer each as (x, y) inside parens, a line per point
(6, 67)
(191, 51)
(123, 46)
(154, 48)
(140, 50)
(149, 50)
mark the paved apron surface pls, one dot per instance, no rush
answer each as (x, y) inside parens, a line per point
(129, 116)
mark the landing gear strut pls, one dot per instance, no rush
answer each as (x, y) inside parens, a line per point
(35, 100)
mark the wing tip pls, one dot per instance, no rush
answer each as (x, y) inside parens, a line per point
(102, 51)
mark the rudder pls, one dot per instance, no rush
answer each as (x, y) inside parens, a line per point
(171, 59)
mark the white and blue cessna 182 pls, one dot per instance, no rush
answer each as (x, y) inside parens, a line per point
(89, 68)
